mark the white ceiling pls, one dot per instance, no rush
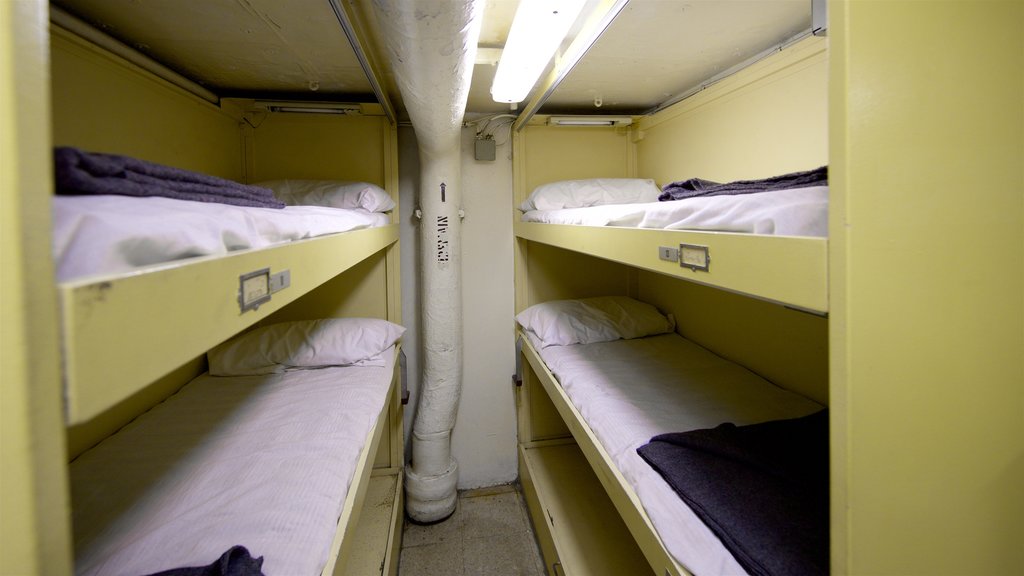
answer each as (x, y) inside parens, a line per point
(654, 50)
(657, 49)
(237, 47)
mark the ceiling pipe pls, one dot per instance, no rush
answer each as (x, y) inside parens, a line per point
(432, 48)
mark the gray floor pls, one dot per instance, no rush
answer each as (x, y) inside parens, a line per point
(488, 535)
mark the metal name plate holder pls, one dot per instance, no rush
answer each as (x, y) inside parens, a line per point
(694, 257)
(256, 287)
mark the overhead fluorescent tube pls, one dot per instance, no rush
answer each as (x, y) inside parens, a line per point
(300, 110)
(537, 31)
(311, 107)
(589, 121)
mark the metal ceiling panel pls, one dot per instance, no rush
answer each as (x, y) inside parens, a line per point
(658, 49)
(652, 52)
(234, 47)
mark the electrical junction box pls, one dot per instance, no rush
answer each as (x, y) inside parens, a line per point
(485, 149)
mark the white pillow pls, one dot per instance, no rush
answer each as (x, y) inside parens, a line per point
(589, 320)
(592, 192)
(305, 344)
(331, 193)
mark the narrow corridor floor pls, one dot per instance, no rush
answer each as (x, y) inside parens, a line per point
(488, 535)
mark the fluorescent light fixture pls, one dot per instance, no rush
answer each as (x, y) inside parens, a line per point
(311, 107)
(537, 31)
(589, 121)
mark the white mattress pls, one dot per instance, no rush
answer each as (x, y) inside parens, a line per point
(794, 212)
(631, 390)
(115, 234)
(259, 461)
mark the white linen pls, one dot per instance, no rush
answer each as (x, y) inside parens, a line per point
(587, 320)
(631, 390)
(259, 461)
(115, 234)
(590, 192)
(794, 212)
(331, 193)
(275, 348)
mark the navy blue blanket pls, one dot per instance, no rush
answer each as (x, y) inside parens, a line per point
(79, 172)
(695, 187)
(235, 562)
(763, 489)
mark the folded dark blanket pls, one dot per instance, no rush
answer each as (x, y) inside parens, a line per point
(695, 187)
(763, 489)
(235, 562)
(79, 172)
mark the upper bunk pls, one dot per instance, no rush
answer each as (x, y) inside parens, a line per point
(122, 330)
(721, 133)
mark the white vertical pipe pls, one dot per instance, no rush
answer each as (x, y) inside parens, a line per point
(432, 48)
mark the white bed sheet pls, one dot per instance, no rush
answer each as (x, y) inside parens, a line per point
(259, 461)
(631, 390)
(114, 234)
(794, 212)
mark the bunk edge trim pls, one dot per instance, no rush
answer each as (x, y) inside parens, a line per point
(121, 333)
(788, 270)
(348, 520)
(622, 495)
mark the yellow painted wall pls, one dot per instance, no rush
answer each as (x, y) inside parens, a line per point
(770, 118)
(550, 153)
(102, 103)
(556, 274)
(927, 267)
(358, 292)
(318, 146)
(85, 435)
(35, 534)
(787, 347)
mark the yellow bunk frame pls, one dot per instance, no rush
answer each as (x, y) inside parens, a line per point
(587, 517)
(788, 270)
(587, 538)
(122, 333)
(369, 529)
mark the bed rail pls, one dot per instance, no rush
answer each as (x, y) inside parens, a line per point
(789, 270)
(622, 495)
(122, 333)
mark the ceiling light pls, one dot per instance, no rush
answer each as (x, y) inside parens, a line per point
(537, 31)
(589, 121)
(311, 107)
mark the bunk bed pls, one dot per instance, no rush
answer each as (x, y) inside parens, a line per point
(144, 304)
(619, 376)
(148, 282)
(183, 264)
(268, 454)
(753, 290)
(766, 242)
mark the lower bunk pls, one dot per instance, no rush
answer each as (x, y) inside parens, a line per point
(700, 466)
(266, 463)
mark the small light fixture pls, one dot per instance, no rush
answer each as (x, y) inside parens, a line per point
(589, 121)
(311, 107)
(537, 31)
